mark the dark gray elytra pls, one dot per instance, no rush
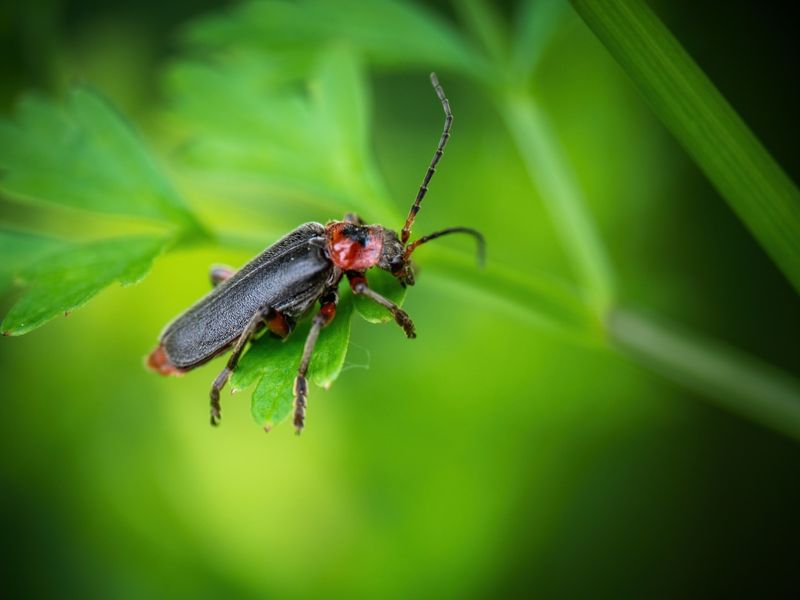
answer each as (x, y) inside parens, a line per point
(298, 272)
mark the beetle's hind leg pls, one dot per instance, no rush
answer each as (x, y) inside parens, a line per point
(219, 273)
(327, 312)
(276, 322)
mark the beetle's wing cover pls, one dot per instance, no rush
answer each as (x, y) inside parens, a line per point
(288, 276)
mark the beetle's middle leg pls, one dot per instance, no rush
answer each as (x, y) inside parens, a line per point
(327, 312)
(275, 321)
(358, 283)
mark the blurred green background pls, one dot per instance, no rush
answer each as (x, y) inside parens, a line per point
(487, 457)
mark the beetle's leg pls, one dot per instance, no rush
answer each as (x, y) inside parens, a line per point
(327, 312)
(219, 273)
(353, 218)
(277, 324)
(358, 283)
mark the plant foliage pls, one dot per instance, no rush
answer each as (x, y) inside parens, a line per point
(689, 104)
(67, 278)
(84, 155)
(275, 95)
(80, 156)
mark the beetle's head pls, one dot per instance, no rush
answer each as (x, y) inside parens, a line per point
(394, 258)
(358, 247)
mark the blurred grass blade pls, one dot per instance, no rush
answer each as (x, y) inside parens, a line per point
(64, 280)
(536, 22)
(726, 376)
(84, 155)
(705, 124)
(562, 197)
(486, 25)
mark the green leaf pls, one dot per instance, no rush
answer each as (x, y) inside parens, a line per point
(389, 32)
(331, 349)
(704, 123)
(249, 124)
(273, 398)
(18, 250)
(339, 96)
(386, 285)
(84, 155)
(65, 280)
(273, 364)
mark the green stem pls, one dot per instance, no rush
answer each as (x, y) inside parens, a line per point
(547, 167)
(724, 375)
(535, 297)
(535, 24)
(558, 188)
(485, 24)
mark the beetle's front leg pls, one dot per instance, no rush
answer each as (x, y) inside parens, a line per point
(358, 283)
(219, 273)
(327, 312)
(276, 322)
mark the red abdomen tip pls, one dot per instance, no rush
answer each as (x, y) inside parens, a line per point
(159, 362)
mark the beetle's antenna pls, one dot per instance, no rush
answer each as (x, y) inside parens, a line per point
(448, 121)
(437, 234)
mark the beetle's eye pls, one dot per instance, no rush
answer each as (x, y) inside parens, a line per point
(397, 264)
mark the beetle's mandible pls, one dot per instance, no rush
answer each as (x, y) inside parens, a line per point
(280, 285)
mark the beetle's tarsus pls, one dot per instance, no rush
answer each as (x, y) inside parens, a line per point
(219, 383)
(300, 403)
(402, 319)
(216, 412)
